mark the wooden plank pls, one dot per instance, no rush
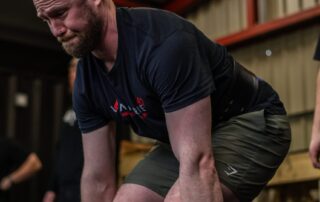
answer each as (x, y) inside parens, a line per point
(296, 167)
(293, 55)
(222, 23)
(262, 11)
(306, 4)
(208, 23)
(280, 70)
(292, 6)
(279, 8)
(298, 132)
(200, 19)
(309, 122)
(244, 56)
(310, 66)
(261, 62)
(213, 15)
(274, 9)
(257, 59)
(130, 155)
(243, 14)
(265, 28)
(234, 16)
(128, 162)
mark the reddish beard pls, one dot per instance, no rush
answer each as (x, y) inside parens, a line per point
(66, 38)
(87, 39)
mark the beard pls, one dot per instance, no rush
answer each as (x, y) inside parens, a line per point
(87, 40)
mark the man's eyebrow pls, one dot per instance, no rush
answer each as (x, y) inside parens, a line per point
(40, 14)
(50, 12)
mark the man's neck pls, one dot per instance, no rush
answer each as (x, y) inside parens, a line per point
(107, 51)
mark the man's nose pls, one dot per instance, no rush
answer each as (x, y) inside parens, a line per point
(57, 28)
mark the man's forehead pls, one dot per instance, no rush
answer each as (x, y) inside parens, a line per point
(43, 5)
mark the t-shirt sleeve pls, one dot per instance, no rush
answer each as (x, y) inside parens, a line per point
(317, 51)
(179, 72)
(89, 118)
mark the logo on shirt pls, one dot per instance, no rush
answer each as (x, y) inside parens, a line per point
(130, 111)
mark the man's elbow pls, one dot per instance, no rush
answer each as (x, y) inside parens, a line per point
(101, 182)
(36, 162)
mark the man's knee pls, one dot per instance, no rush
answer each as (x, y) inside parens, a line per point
(136, 193)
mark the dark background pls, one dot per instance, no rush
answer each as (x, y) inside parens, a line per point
(33, 64)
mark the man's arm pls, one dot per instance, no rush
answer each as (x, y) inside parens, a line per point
(98, 181)
(190, 136)
(29, 167)
(314, 148)
(49, 196)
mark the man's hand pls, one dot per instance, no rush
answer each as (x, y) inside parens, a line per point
(49, 196)
(314, 147)
(314, 150)
(6, 183)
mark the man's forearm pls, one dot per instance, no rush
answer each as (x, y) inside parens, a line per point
(98, 180)
(200, 182)
(316, 120)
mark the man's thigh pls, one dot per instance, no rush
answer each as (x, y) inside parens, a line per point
(174, 194)
(247, 149)
(158, 171)
(136, 193)
(155, 179)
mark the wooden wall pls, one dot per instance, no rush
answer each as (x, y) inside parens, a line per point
(284, 59)
(286, 62)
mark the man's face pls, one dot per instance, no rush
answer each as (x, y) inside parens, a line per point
(73, 22)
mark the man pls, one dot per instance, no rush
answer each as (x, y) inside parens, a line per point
(314, 148)
(65, 179)
(223, 132)
(16, 165)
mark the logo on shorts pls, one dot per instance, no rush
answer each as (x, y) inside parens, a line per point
(230, 170)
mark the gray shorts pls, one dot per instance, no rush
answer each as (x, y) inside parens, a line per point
(247, 149)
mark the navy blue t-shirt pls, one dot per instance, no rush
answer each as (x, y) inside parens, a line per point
(164, 63)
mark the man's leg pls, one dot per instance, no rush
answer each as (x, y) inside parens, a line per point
(153, 176)
(248, 150)
(136, 193)
(154, 179)
(174, 194)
